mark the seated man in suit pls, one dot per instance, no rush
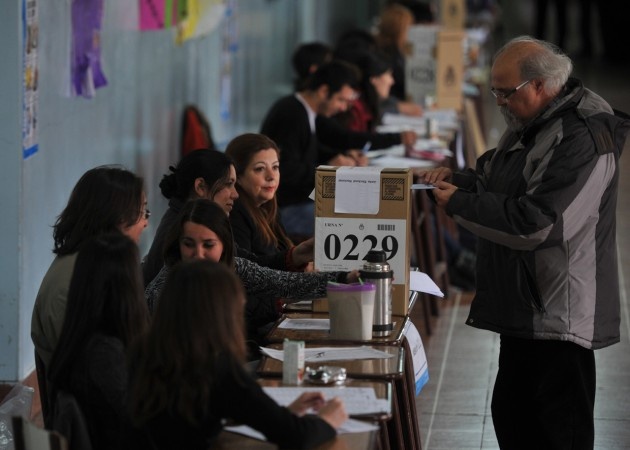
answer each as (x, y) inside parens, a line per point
(301, 126)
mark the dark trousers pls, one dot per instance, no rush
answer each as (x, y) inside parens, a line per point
(544, 395)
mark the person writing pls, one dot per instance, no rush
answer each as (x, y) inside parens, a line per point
(301, 126)
(189, 376)
(543, 205)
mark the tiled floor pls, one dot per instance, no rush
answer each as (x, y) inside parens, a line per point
(454, 406)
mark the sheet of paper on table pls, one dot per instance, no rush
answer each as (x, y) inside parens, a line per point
(400, 162)
(305, 324)
(332, 353)
(357, 400)
(421, 282)
(349, 426)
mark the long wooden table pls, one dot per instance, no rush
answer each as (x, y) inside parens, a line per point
(404, 432)
(368, 440)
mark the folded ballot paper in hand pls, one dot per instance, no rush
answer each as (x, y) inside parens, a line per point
(421, 282)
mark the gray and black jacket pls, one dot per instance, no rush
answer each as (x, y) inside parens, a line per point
(543, 204)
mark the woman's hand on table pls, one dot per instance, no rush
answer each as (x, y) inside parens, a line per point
(306, 401)
(353, 277)
(303, 253)
(334, 412)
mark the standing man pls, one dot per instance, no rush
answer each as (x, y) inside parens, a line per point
(543, 206)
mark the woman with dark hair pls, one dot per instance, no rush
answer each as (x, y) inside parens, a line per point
(202, 232)
(201, 173)
(189, 376)
(105, 313)
(255, 221)
(207, 174)
(376, 82)
(104, 200)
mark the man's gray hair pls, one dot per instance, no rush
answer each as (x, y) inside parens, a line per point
(549, 63)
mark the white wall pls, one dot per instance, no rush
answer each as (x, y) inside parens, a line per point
(133, 121)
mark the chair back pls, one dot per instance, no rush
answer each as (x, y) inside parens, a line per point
(28, 436)
(68, 420)
(44, 395)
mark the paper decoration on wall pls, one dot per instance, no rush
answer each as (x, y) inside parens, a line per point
(30, 22)
(201, 18)
(86, 72)
(162, 14)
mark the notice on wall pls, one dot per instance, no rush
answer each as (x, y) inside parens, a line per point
(30, 27)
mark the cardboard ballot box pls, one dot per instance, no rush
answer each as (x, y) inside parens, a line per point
(453, 14)
(358, 209)
(435, 67)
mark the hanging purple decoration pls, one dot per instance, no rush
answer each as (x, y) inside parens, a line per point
(87, 75)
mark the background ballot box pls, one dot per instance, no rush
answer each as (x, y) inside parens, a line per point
(450, 70)
(435, 67)
(358, 209)
(453, 14)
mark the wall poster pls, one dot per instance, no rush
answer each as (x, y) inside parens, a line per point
(30, 36)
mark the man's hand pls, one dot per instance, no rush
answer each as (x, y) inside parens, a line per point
(341, 160)
(408, 138)
(434, 175)
(410, 109)
(443, 192)
(359, 157)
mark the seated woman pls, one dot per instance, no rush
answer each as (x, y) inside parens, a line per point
(203, 231)
(358, 41)
(104, 200)
(208, 174)
(105, 312)
(376, 83)
(254, 218)
(189, 376)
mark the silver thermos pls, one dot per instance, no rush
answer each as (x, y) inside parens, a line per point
(376, 270)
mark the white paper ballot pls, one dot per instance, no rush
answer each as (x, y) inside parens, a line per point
(421, 282)
(357, 190)
(422, 186)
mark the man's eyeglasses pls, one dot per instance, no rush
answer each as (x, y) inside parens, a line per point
(500, 94)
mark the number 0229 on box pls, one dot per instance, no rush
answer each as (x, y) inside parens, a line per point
(344, 242)
(343, 239)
